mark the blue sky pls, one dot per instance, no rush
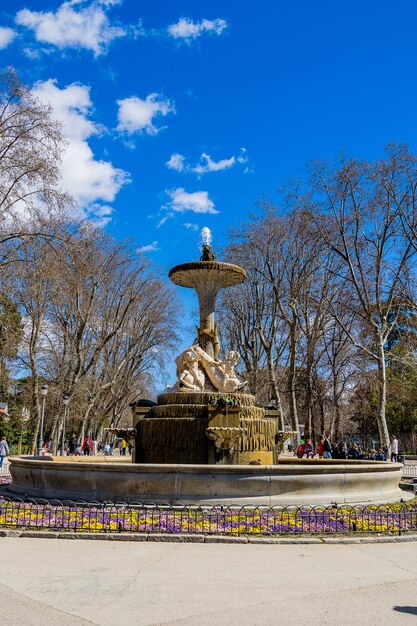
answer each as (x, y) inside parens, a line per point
(235, 96)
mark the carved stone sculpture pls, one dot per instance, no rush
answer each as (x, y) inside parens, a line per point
(194, 362)
(204, 333)
(189, 376)
(225, 437)
(221, 373)
(207, 253)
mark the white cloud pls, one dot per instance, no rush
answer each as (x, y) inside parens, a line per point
(243, 157)
(71, 106)
(190, 226)
(196, 201)
(151, 247)
(176, 162)
(188, 30)
(88, 180)
(165, 219)
(99, 215)
(32, 53)
(88, 27)
(136, 115)
(208, 165)
(6, 36)
(103, 2)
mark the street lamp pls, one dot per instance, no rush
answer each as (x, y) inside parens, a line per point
(65, 402)
(44, 393)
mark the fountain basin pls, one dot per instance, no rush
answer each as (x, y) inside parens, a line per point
(291, 482)
(207, 274)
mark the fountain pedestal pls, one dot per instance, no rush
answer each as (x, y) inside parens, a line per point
(207, 278)
(175, 430)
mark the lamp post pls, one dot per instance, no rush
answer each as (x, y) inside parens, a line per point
(44, 393)
(65, 402)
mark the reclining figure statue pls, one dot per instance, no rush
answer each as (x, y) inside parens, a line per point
(221, 373)
(190, 376)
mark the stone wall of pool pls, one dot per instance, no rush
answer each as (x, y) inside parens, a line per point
(290, 482)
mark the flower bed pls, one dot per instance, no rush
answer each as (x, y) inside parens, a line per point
(230, 521)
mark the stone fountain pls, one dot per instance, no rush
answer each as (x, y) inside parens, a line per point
(205, 441)
(207, 417)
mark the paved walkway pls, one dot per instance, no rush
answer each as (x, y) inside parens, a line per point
(74, 582)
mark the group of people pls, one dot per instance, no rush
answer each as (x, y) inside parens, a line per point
(121, 444)
(92, 447)
(326, 449)
(87, 447)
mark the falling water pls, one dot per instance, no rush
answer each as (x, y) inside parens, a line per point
(206, 236)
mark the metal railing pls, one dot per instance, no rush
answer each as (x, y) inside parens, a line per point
(410, 470)
(230, 521)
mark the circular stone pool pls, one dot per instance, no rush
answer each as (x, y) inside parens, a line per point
(291, 482)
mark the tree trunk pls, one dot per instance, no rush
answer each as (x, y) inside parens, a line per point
(322, 416)
(35, 435)
(36, 408)
(308, 431)
(100, 432)
(292, 384)
(382, 397)
(85, 424)
(275, 390)
(55, 436)
(336, 408)
(336, 422)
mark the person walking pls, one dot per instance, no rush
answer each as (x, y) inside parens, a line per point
(4, 449)
(73, 444)
(394, 449)
(86, 447)
(327, 448)
(123, 446)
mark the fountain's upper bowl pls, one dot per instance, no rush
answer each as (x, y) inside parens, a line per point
(214, 273)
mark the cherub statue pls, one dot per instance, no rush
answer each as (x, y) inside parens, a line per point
(207, 253)
(189, 376)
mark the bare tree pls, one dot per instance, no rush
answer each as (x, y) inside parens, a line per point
(111, 316)
(357, 221)
(97, 321)
(30, 283)
(31, 147)
(341, 365)
(316, 292)
(280, 253)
